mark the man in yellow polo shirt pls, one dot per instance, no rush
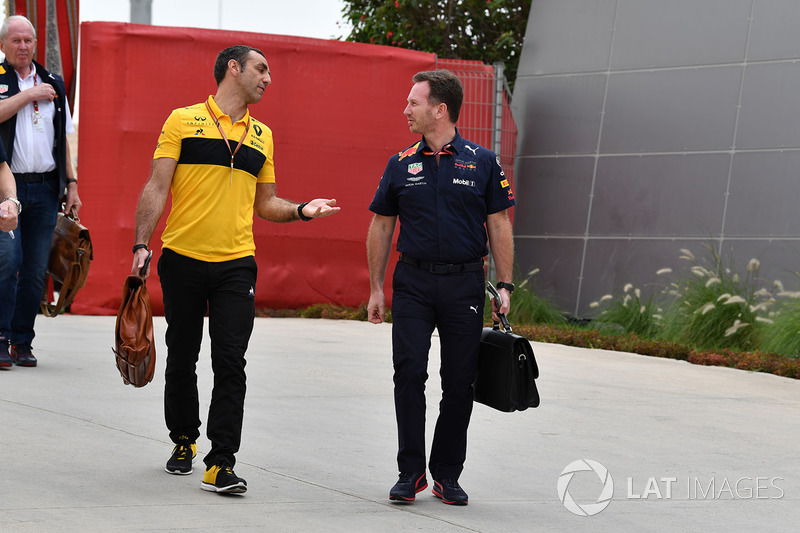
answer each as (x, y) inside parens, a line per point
(216, 161)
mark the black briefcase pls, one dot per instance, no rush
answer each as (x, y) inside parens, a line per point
(506, 369)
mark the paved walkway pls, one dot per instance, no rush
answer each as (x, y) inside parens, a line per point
(688, 448)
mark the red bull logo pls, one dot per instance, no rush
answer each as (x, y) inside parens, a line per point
(465, 165)
(409, 152)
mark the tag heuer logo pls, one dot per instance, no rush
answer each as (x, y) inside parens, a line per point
(415, 168)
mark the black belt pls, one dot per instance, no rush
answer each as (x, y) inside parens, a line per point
(35, 177)
(443, 268)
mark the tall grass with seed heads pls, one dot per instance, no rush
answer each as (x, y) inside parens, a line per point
(527, 306)
(715, 307)
(630, 314)
(782, 334)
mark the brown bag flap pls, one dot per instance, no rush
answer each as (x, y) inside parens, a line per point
(134, 344)
(71, 244)
(68, 265)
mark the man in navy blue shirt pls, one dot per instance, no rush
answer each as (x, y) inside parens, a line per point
(448, 194)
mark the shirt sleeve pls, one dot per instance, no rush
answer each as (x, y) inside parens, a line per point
(267, 172)
(499, 196)
(169, 142)
(384, 202)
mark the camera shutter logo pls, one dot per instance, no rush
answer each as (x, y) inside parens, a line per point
(587, 509)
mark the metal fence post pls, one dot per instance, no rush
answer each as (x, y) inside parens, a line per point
(499, 83)
(497, 134)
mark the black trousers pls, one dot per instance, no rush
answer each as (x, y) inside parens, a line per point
(453, 303)
(226, 291)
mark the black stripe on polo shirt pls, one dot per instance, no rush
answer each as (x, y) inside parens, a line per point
(199, 151)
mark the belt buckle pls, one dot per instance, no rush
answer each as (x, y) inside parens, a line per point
(440, 268)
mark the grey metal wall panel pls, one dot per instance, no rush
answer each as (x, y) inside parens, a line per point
(655, 33)
(764, 193)
(558, 261)
(697, 144)
(671, 110)
(779, 259)
(773, 34)
(557, 194)
(770, 116)
(650, 196)
(568, 36)
(560, 115)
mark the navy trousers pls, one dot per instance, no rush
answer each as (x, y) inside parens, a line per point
(226, 290)
(452, 303)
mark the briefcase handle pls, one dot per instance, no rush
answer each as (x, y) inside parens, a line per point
(499, 300)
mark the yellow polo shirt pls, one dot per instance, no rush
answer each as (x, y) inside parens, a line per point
(212, 207)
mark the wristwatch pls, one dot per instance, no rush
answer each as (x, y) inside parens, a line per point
(16, 202)
(507, 286)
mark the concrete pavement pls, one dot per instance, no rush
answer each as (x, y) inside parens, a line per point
(687, 448)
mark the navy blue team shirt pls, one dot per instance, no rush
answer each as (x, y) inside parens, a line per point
(443, 208)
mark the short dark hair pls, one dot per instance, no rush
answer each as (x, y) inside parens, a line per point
(446, 89)
(238, 52)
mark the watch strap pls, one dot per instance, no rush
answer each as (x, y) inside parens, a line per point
(15, 202)
(507, 286)
(300, 212)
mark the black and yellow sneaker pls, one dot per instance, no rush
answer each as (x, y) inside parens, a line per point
(220, 478)
(184, 454)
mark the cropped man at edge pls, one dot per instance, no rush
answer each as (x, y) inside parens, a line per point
(34, 122)
(10, 208)
(217, 179)
(447, 192)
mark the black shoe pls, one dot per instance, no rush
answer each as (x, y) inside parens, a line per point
(407, 486)
(220, 478)
(183, 455)
(22, 356)
(450, 492)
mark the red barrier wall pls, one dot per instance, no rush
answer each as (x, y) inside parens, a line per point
(335, 109)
